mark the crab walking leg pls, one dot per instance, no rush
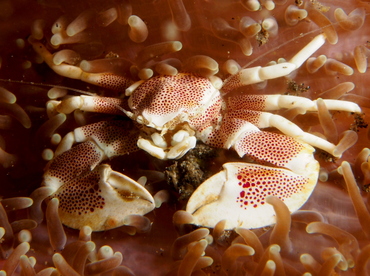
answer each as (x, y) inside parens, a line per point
(258, 74)
(265, 120)
(104, 143)
(91, 104)
(107, 80)
(265, 147)
(238, 193)
(277, 102)
(82, 134)
(248, 108)
(101, 199)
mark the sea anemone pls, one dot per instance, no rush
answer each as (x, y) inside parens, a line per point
(330, 234)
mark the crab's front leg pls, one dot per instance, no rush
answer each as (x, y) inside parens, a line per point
(100, 141)
(92, 194)
(286, 168)
(102, 199)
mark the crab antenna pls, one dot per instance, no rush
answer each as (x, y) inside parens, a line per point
(126, 112)
(49, 85)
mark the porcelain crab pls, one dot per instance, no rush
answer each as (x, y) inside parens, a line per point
(173, 112)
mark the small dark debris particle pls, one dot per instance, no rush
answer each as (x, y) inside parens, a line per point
(262, 37)
(295, 89)
(325, 156)
(366, 188)
(112, 55)
(299, 3)
(358, 123)
(320, 7)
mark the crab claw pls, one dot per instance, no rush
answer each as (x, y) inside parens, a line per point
(101, 199)
(238, 194)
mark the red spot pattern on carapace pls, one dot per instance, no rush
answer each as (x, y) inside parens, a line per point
(162, 95)
(208, 117)
(257, 184)
(81, 195)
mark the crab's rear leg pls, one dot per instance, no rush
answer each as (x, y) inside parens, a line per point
(259, 74)
(286, 168)
(251, 107)
(107, 80)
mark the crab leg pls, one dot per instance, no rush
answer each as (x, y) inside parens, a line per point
(82, 134)
(92, 194)
(248, 108)
(238, 193)
(107, 80)
(265, 120)
(277, 102)
(105, 143)
(101, 199)
(258, 74)
(91, 104)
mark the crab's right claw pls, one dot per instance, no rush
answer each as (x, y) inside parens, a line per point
(238, 194)
(101, 199)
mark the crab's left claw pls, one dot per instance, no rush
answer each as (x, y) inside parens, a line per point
(238, 194)
(102, 199)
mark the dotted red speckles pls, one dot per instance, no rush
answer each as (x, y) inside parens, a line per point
(162, 95)
(107, 105)
(247, 102)
(229, 127)
(81, 195)
(121, 141)
(250, 116)
(258, 183)
(269, 147)
(75, 161)
(114, 82)
(233, 83)
(90, 129)
(208, 117)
